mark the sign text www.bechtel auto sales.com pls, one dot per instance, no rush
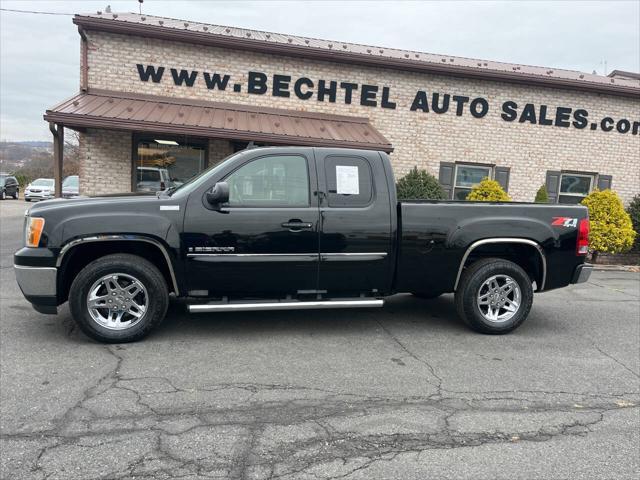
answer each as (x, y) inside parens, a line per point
(259, 83)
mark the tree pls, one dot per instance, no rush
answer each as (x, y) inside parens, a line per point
(541, 195)
(634, 213)
(611, 227)
(419, 184)
(488, 191)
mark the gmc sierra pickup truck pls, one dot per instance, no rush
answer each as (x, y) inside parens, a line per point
(292, 228)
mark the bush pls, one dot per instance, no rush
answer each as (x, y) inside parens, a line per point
(611, 228)
(541, 195)
(634, 213)
(488, 191)
(418, 184)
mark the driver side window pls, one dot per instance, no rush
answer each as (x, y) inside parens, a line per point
(272, 181)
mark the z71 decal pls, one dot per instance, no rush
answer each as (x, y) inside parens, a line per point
(565, 222)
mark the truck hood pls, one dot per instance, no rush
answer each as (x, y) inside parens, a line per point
(82, 203)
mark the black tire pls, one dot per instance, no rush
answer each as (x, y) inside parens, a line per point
(27, 199)
(3, 195)
(426, 296)
(139, 268)
(472, 280)
(16, 195)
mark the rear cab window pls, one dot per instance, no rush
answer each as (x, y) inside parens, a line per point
(349, 181)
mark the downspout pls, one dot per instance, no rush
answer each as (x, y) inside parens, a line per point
(58, 152)
(84, 59)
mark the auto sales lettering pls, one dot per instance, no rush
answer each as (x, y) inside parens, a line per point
(322, 90)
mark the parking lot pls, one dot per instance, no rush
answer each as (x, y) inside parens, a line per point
(403, 392)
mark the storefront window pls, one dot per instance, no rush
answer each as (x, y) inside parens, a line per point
(161, 164)
(466, 177)
(574, 187)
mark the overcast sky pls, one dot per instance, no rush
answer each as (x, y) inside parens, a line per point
(39, 54)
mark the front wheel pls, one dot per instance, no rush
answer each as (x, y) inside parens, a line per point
(3, 195)
(494, 296)
(118, 298)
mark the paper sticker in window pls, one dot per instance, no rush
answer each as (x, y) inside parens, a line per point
(347, 181)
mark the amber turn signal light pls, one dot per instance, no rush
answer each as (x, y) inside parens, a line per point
(35, 226)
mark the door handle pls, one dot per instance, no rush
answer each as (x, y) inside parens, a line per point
(297, 225)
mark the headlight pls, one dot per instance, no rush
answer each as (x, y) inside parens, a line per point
(33, 231)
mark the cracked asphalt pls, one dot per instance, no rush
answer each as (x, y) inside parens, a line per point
(403, 392)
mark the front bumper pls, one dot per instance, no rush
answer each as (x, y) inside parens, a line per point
(38, 196)
(39, 286)
(582, 273)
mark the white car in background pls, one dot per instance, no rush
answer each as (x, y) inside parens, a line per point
(40, 189)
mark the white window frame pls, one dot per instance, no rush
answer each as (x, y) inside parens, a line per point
(491, 169)
(590, 176)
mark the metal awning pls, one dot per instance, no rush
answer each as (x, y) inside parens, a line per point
(149, 113)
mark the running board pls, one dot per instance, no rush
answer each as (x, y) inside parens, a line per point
(246, 307)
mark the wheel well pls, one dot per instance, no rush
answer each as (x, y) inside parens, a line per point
(81, 255)
(527, 256)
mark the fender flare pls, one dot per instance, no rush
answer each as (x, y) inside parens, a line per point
(119, 238)
(485, 241)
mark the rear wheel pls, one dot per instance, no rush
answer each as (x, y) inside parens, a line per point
(16, 194)
(494, 296)
(3, 195)
(118, 298)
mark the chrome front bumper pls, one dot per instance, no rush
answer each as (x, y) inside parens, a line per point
(582, 273)
(37, 281)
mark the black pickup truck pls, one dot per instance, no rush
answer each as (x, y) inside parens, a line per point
(292, 228)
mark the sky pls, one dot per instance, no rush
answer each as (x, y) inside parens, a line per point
(40, 54)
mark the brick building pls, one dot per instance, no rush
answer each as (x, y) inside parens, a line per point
(161, 99)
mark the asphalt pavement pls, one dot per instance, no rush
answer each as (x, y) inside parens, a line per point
(404, 392)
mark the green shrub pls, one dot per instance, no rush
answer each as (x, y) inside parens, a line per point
(611, 228)
(541, 195)
(634, 213)
(488, 191)
(419, 184)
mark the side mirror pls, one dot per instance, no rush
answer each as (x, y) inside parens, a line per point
(218, 195)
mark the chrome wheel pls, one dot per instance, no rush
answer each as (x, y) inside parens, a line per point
(117, 301)
(499, 298)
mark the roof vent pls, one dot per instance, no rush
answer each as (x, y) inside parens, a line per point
(75, 103)
(253, 115)
(205, 28)
(268, 35)
(479, 64)
(248, 34)
(443, 59)
(277, 124)
(307, 42)
(290, 40)
(368, 50)
(322, 129)
(186, 24)
(161, 22)
(344, 46)
(366, 133)
(99, 12)
(451, 59)
(330, 45)
(110, 100)
(581, 76)
(486, 64)
(143, 18)
(129, 109)
(115, 15)
(417, 55)
(406, 55)
(180, 114)
(381, 51)
(229, 119)
(228, 30)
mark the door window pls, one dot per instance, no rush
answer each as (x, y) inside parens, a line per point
(349, 181)
(272, 181)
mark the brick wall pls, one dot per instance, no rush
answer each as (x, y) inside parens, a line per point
(105, 162)
(422, 139)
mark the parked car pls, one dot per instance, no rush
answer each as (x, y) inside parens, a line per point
(40, 189)
(71, 187)
(8, 186)
(153, 179)
(293, 228)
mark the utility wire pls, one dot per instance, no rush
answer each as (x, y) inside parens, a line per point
(34, 12)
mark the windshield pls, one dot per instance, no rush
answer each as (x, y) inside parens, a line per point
(195, 181)
(2, 179)
(43, 182)
(71, 181)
